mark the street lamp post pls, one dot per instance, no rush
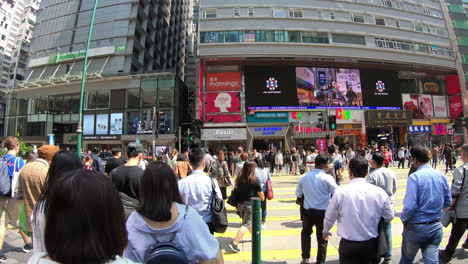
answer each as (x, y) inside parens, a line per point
(79, 131)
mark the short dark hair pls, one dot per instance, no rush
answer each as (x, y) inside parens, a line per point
(85, 222)
(379, 158)
(115, 151)
(259, 163)
(321, 160)
(96, 150)
(331, 149)
(158, 190)
(420, 153)
(181, 157)
(359, 167)
(196, 157)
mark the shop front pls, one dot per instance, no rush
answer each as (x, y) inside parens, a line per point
(387, 127)
(420, 133)
(229, 139)
(349, 129)
(268, 137)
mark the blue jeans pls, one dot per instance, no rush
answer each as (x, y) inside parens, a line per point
(424, 237)
(388, 229)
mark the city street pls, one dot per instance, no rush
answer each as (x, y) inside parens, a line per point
(281, 241)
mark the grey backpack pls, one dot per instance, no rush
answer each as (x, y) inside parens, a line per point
(5, 179)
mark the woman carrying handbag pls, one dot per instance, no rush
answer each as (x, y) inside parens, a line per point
(263, 175)
(220, 172)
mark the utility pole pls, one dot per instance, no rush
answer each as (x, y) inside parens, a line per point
(79, 130)
(188, 139)
(180, 139)
(154, 130)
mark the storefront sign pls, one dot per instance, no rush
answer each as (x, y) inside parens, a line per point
(431, 86)
(321, 145)
(343, 114)
(349, 116)
(268, 131)
(222, 103)
(439, 129)
(440, 106)
(224, 134)
(419, 129)
(305, 117)
(388, 118)
(111, 137)
(348, 132)
(456, 106)
(224, 81)
(268, 117)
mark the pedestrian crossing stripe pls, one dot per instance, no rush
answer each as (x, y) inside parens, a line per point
(296, 253)
(233, 210)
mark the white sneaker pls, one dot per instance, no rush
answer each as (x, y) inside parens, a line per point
(263, 226)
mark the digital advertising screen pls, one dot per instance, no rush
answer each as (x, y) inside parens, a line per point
(102, 124)
(270, 86)
(88, 125)
(328, 87)
(380, 88)
(116, 121)
(223, 102)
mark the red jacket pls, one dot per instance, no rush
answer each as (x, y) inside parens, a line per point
(387, 156)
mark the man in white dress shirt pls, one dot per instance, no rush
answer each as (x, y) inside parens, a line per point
(358, 208)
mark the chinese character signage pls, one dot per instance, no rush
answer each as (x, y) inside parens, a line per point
(419, 129)
(439, 129)
(388, 118)
(268, 132)
(224, 81)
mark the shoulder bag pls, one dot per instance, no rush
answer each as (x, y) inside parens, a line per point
(450, 216)
(218, 210)
(269, 190)
(232, 200)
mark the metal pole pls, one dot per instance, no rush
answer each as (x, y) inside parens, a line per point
(188, 139)
(154, 131)
(256, 230)
(79, 131)
(180, 139)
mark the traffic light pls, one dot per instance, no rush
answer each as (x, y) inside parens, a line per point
(191, 138)
(332, 122)
(320, 117)
(465, 122)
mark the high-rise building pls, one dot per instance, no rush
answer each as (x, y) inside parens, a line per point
(273, 72)
(136, 62)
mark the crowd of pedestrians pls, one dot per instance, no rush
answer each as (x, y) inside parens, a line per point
(78, 210)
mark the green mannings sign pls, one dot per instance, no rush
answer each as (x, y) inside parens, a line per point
(120, 48)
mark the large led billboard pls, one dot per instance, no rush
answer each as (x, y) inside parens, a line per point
(380, 88)
(328, 87)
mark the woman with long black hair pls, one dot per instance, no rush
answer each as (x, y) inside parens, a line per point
(247, 186)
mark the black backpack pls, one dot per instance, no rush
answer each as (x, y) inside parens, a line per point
(218, 212)
(166, 252)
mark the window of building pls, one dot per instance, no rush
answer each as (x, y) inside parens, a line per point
(419, 27)
(314, 37)
(236, 12)
(295, 13)
(166, 91)
(332, 15)
(3, 37)
(397, 23)
(380, 21)
(294, 36)
(233, 36)
(281, 36)
(212, 37)
(209, 13)
(251, 11)
(279, 12)
(249, 36)
(117, 99)
(387, 3)
(149, 92)
(348, 39)
(320, 14)
(265, 36)
(426, 11)
(358, 18)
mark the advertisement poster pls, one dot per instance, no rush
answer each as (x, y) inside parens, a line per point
(88, 125)
(224, 81)
(440, 106)
(223, 118)
(425, 103)
(328, 87)
(420, 106)
(380, 88)
(456, 106)
(453, 84)
(116, 121)
(432, 87)
(222, 102)
(270, 86)
(102, 124)
(322, 145)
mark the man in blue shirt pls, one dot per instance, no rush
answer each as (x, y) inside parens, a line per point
(316, 188)
(97, 159)
(196, 189)
(427, 194)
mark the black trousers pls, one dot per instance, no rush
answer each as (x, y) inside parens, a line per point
(458, 229)
(353, 252)
(312, 217)
(223, 192)
(401, 162)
